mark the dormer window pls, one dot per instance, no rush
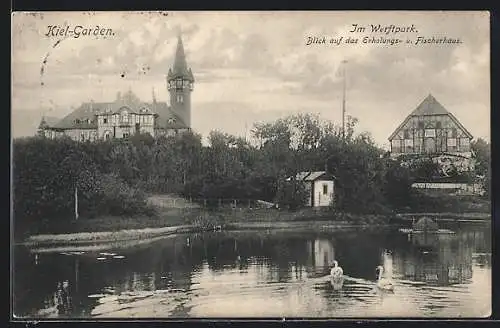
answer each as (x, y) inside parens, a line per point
(171, 120)
(77, 121)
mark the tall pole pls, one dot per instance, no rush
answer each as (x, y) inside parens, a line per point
(344, 62)
(76, 203)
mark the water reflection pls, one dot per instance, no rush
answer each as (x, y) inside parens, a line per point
(437, 259)
(261, 274)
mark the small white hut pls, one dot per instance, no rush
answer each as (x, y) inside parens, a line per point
(320, 187)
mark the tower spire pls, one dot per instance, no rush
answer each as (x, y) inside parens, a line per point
(180, 65)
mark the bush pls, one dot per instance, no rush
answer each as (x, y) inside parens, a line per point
(292, 194)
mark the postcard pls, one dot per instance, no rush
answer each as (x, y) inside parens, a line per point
(260, 164)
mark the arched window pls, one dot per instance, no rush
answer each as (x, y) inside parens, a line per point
(107, 135)
(180, 98)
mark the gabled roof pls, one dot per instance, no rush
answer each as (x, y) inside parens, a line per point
(165, 117)
(313, 176)
(429, 107)
(86, 111)
(48, 122)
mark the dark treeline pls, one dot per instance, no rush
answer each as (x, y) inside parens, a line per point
(114, 177)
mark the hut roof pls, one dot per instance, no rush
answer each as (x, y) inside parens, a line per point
(425, 224)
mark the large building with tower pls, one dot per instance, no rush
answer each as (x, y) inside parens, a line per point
(127, 114)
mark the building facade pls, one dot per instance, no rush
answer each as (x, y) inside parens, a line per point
(319, 186)
(430, 129)
(128, 115)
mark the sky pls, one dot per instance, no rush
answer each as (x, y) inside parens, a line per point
(256, 66)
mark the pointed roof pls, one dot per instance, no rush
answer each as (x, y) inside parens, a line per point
(180, 68)
(429, 106)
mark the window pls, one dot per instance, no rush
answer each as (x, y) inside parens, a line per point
(464, 144)
(406, 134)
(325, 189)
(179, 98)
(82, 136)
(107, 135)
(420, 125)
(125, 135)
(453, 133)
(438, 125)
(396, 145)
(105, 120)
(77, 121)
(125, 117)
(452, 142)
(430, 133)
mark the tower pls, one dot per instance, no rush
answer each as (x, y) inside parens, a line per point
(180, 82)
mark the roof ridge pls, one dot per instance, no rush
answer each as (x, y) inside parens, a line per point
(429, 106)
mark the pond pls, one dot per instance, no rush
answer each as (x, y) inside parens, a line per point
(262, 274)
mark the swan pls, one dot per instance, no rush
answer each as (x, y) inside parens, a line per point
(336, 276)
(336, 272)
(383, 283)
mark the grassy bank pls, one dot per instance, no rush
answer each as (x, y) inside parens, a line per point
(178, 220)
(107, 229)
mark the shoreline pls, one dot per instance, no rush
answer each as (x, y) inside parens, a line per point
(107, 237)
(88, 239)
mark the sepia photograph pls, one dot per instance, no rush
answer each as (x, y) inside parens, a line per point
(250, 164)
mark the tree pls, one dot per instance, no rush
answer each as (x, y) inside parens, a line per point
(291, 194)
(482, 152)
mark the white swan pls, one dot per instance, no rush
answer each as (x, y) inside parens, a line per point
(336, 272)
(336, 276)
(383, 283)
